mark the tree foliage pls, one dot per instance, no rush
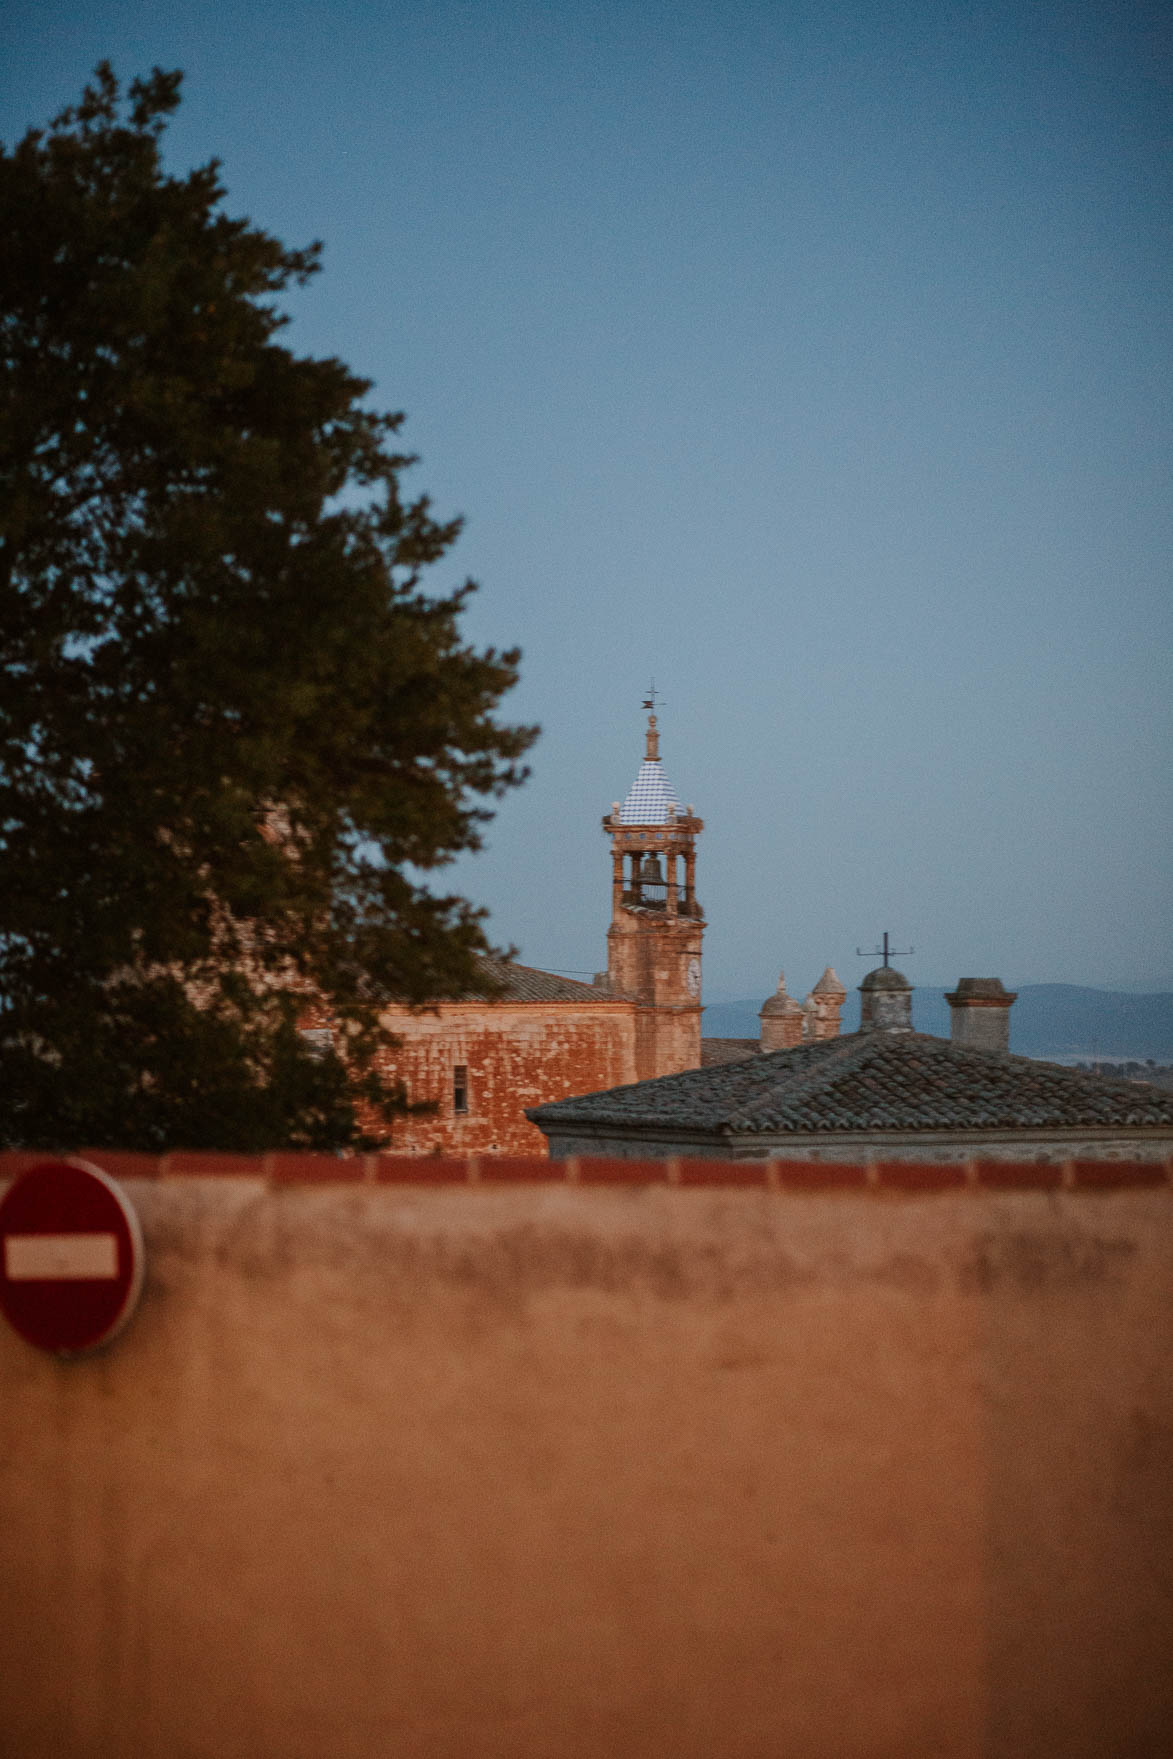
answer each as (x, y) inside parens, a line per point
(233, 725)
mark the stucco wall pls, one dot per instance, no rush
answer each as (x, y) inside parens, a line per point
(577, 1472)
(1145, 1142)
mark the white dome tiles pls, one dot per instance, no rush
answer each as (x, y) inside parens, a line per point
(650, 798)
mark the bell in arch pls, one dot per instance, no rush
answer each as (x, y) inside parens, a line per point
(651, 873)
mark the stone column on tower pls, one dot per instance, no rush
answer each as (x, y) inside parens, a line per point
(654, 941)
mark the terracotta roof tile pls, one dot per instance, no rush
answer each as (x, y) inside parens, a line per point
(727, 1050)
(524, 983)
(872, 1081)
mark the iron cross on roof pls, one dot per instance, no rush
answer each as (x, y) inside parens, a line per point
(900, 952)
(653, 697)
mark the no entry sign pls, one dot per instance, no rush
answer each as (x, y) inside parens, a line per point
(71, 1257)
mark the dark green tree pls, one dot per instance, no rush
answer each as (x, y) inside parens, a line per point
(234, 728)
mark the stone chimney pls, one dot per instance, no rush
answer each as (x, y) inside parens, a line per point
(781, 1019)
(885, 1001)
(826, 1003)
(979, 1014)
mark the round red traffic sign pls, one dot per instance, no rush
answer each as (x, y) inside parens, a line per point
(71, 1257)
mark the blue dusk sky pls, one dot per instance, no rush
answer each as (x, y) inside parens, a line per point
(812, 358)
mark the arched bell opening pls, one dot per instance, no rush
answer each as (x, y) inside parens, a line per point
(649, 879)
(632, 876)
(653, 884)
(658, 879)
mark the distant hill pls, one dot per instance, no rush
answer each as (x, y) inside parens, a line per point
(1062, 1021)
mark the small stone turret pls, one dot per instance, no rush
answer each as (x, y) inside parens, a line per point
(885, 1001)
(781, 1018)
(979, 1014)
(826, 1005)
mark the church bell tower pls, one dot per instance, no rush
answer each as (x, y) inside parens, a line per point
(654, 941)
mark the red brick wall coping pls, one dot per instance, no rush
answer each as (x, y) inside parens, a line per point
(879, 1176)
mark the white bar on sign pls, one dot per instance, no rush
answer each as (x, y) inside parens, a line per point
(60, 1257)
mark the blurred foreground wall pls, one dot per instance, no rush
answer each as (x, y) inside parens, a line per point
(549, 1471)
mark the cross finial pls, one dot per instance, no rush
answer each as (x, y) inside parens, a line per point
(653, 738)
(900, 952)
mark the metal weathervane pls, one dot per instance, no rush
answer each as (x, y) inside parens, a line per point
(888, 952)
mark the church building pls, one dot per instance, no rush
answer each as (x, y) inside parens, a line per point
(618, 1066)
(481, 1063)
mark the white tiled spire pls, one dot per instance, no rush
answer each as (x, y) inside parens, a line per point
(652, 800)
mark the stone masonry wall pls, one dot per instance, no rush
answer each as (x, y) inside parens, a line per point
(649, 959)
(516, 1055)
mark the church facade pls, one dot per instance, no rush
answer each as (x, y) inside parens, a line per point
(480, 1064)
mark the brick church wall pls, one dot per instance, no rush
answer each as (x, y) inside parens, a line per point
(515, 1054)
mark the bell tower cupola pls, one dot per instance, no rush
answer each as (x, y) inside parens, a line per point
(654, 942)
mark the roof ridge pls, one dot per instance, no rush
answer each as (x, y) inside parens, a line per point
(815, 1070)
(512, 970)
(1063, 1071)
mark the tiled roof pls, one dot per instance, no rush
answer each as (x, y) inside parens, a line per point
(650, 797)
(871, 1081)
(727, 1050)
(523, 983)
